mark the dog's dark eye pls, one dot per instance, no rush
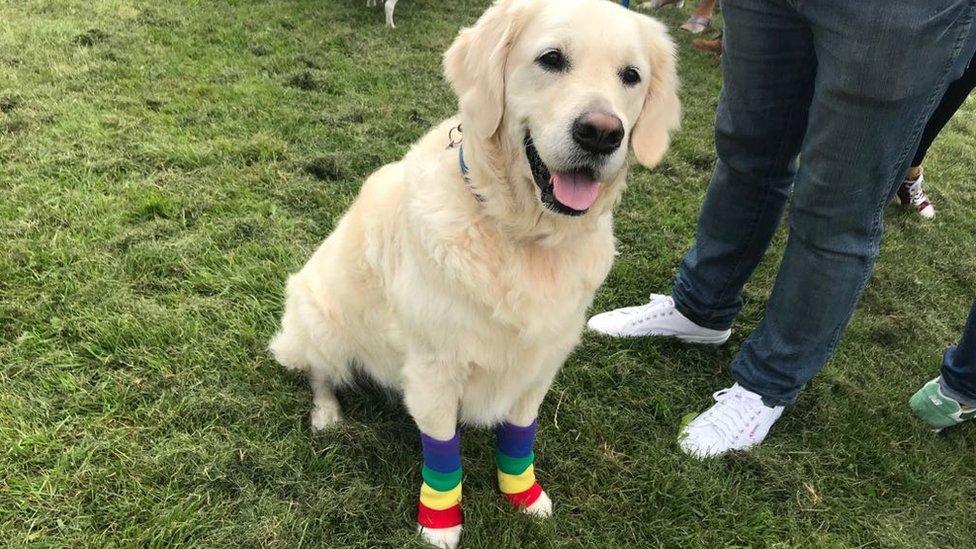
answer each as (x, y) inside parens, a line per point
(553, 60)
(630, 76)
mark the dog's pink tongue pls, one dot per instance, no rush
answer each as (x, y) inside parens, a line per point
(574, 190)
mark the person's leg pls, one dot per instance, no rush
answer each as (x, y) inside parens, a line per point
(950, 399)
(959, 363)
(865, 123)
(711, 45)
(953, 98)
(705, 8)
(768, 70)
(912, 193)
(701, 18)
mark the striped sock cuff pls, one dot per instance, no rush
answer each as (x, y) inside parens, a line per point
(515, 458)
(442, 456)
(516, 441)
(440, 493)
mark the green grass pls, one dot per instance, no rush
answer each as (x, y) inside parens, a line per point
(164, 165)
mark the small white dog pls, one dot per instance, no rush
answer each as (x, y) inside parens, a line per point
(462, 273)
(388, 7)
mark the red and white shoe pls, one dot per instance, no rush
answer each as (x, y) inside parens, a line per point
(911, 194)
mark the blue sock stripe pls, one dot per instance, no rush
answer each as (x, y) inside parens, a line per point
(443, 456)
(515, 441)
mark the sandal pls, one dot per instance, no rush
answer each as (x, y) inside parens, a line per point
(697, 24)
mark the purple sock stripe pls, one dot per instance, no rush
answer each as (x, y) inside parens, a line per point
(515, 441)
(443, 456)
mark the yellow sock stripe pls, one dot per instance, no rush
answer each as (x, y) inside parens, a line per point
(437, 500)
(513, 484)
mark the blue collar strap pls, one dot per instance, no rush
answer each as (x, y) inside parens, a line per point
(464, 174)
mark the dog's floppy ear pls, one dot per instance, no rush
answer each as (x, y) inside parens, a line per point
(661, 113)
(475, 64)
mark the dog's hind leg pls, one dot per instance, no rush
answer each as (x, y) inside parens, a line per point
(306, 342)
(294, 354)
(325, 407)
(388, 8)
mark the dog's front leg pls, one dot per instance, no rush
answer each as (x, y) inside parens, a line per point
(432, 393)
(515, 456)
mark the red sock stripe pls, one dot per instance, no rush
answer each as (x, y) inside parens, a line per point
(432, 518)
(524, 499)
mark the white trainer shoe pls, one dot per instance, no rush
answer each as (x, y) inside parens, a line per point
(737, 421)
(657, 318)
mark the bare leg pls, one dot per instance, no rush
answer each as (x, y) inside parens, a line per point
(913, 172)
(705, 8)
(701, 19)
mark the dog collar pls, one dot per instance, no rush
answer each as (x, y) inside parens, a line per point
(464, 174)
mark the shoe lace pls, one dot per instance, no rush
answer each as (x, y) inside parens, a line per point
(644, 310)
(660, 305)
(916, 192)
(735, 410)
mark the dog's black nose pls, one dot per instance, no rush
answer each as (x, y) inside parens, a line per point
(598, 132)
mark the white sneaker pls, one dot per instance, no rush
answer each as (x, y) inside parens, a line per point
(737, 421)
(657, 318)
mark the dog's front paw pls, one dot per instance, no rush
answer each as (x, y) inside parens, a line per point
(323, 417)
(444, 538)
(541, 507)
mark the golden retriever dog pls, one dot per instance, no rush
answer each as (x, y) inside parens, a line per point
(462, 273)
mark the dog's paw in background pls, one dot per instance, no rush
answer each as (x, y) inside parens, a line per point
(443, 538)
(388, 7)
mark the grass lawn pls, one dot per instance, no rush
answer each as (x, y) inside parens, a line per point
(164, 165)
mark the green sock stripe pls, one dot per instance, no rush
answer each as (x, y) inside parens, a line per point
(441, 482)
(513, 466)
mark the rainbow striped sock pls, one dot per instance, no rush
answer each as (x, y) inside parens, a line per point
(440, 494)
(516, 473)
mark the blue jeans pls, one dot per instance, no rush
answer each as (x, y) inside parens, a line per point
(959, 362)
(846, 86)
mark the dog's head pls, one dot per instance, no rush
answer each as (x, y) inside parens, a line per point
(567, 86)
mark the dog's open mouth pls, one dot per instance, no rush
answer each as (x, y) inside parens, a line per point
(569, 192)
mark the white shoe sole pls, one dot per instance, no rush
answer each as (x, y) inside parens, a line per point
(718, 339)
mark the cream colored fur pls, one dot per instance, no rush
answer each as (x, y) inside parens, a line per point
(470, 308)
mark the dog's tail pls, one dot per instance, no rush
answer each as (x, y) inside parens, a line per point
(290, 345)
(288, 351)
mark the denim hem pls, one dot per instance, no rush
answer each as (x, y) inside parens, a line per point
(771, 401)
(949, 372)
(711, 324)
